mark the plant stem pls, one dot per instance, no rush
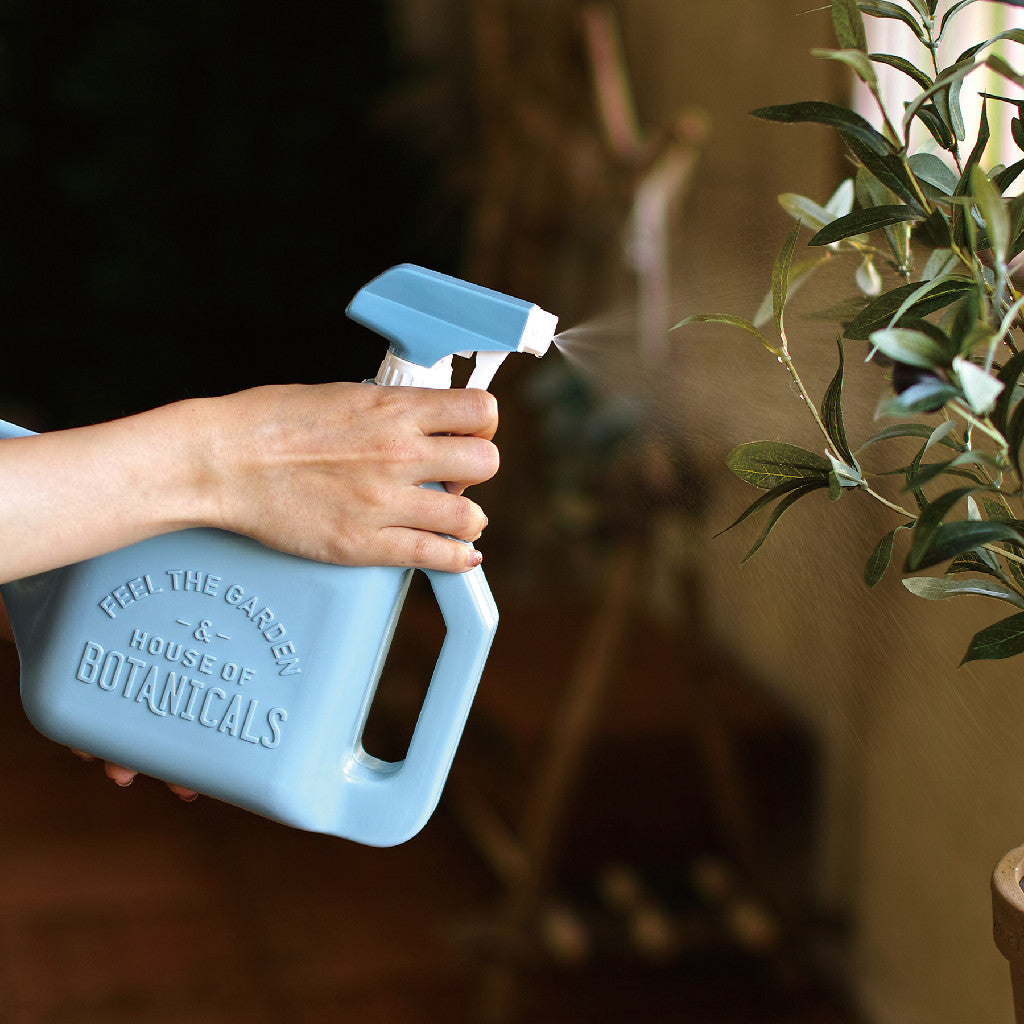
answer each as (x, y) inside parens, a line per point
(983, 427)
(864, 486)
(1002, 553)
(787, 360)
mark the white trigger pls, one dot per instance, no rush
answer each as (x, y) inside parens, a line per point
(484, 369)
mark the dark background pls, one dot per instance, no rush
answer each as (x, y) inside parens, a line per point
(192, 192)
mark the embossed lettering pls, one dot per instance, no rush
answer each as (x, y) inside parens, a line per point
(249, 716)
(111, 671)
(174, 689)
(88, 667)
(213, 691)
(275, 718)
(147, 692)
(197, 685)
(128, 593)
(195, 581)
(270, 627)
(178, 695)
(232, 720)
(130, 681)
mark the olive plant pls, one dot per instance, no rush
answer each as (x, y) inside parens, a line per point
(948, 233)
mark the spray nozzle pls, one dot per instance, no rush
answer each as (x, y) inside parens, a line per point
(428, 317)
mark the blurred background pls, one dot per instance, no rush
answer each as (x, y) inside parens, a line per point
(688, 791)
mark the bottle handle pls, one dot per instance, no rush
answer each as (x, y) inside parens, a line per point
(387, 803)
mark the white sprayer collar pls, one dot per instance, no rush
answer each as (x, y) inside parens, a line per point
(398, 371)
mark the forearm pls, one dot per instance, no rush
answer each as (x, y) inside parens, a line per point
(328, 472)
(73, 494)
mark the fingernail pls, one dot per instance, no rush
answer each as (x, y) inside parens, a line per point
(475, 558)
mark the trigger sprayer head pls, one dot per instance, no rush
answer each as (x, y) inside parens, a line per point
(428, 317)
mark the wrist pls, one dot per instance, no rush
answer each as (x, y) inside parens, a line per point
(190, 429)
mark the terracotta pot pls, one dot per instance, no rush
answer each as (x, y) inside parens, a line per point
(1008, 921)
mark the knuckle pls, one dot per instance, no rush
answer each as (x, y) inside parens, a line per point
(468, 519)
(490, 459)
(486, 407)
(422, 549)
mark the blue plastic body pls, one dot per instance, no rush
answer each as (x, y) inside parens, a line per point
(426, 315)
(205, 659)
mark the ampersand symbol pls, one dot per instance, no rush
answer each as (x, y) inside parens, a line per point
(202, 633)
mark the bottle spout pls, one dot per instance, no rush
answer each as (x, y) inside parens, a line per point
(428, 317)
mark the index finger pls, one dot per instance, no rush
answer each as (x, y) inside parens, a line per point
(468, 412)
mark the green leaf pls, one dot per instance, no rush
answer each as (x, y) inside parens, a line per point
(912, 301)
(993, 212)
(886, 9)
(980, 389)
(878, 312)
(1000, 67)
(932, 118)
(1014, 435)
(841, 201)
(764, 500)
(798, 273)
(849, 25)
(915, 348)
(888, 169)
(908, 430)
(947, 82)
(730, 320)
(904, 65)
(1003, 639)
(933, 588)
(984, 134)
(766, 464)
(940, 433)
(1017, 132)
(966, 320)
(954, 538)
(881, 557)
(855, 59)
(832, 410)
(930, 520)
(971, 561)
(862, 221)
(1003, 179)
(1008, 377)
(957, 466)
(805, 210)
(954, 9)
(780, 277)
(928, 396)
(780, 509)
(820, 112)
(931, 169)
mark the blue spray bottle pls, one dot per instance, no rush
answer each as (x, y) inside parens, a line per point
(207, 660)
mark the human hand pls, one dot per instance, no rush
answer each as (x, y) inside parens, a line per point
(124, 777)
(333, 472)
